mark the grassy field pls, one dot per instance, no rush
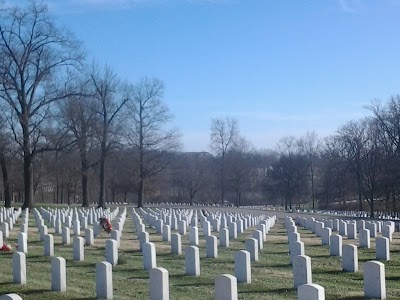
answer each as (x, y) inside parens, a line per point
(271, 275)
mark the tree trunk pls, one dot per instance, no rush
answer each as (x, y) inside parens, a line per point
(222, 180)
(84, 178)
(28, 182)
(360, 199)
(6, 183)
(102, 200)
(140, 193)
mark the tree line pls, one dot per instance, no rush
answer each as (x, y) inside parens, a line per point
(75, 132)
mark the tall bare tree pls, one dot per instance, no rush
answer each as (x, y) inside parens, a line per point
(149, 133)
(35, 57)
(109, 93)
(5, 151)
(309, 145)
(224, 133)
(79, 115)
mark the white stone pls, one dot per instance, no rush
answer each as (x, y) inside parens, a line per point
(350, 258)
(19, 268)
(301, 270)
(112, 252)
(232, 230)
(77, 227)
(243, 266)
(166, 233)
(194, 236)
(226, 287)
(335, 245)
(211, 247)
(182, 227)
(89, 237)
(192, 259)
(48, 245)
(326, 233)
(104, 284)
(149, 256)
(387, 232)
(22, 242)
(258, 236)
(310, 291)
(143, 238)
(10, 297)
(364, 238)
(116, 235)
(224, 238)
(252, 248)
(79, 254)
(382, 248)
(176, 244)
(207, 228)
(352, 231)
(296, 248)
(58, 274)
(159, 284)
(374, 280)
(66, 236)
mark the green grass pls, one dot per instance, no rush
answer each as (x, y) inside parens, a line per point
(271, 275)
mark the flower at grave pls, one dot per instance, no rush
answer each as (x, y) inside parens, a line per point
(105, 224)
(6, 247)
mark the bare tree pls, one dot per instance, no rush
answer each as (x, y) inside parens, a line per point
(309, 145)
(239, 167)
(79, 115)
(35, 57)
(352, 139)
(5, 151)
(108, 91)
(193, 172)
(149, 133)
(224, 133)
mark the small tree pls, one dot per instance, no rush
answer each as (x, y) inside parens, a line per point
(224, 133)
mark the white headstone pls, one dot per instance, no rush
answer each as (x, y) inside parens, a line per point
(301, 270)
(224, 238)
(211, 247)
(104, 284)
(149, 256)
(194, 236)
(226, 287)
(112, 252)
(310, 291)
(243, 266)
(350, 258)
(159, 284)
(176, 244)
(382, 248)
(66, 236)
(192, 259)
(335, 245)
(79, 254)
(364, 238)
(58, 274)
(252, 248)
(48, 245)
(374, 280)
(19, 268)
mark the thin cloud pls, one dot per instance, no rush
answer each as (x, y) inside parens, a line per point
(350, 6)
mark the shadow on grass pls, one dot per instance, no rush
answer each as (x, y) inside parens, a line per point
(258, 291)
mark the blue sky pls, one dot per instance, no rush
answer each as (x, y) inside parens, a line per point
(281, 67)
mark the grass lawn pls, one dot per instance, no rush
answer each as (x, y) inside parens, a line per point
(271, 275)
